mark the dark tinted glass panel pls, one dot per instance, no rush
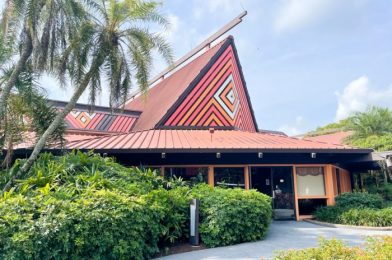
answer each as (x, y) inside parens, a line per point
(229, 177)
(192, 174)
(308, 206)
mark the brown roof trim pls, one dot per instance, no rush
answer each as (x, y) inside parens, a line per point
(214, 150)
(86, 107)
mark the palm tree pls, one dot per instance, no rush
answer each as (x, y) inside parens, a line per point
(374, 121)
(116, 44)
(28, 115)
(42, 29)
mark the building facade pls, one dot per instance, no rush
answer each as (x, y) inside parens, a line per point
(197, 123)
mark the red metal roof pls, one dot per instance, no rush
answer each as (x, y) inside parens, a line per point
(162, 96)
(199, 140)
(334, 138)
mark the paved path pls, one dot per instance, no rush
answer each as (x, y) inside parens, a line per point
(282, 235)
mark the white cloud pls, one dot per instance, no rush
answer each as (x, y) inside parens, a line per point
(293, 129)
(174, 22)
(358, 95)
(217, 7)
(295, 14)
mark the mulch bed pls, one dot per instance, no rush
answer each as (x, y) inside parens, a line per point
(180, 248)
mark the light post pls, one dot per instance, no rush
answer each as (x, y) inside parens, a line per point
(194, 222)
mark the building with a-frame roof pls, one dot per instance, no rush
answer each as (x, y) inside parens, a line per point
(197, 123)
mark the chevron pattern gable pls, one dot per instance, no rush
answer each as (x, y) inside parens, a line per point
(218, 99)
(99, 121)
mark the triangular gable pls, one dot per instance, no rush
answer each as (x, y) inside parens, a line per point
(164, 95)
(218, 98)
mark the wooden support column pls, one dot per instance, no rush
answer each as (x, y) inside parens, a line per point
(162, 171)
(295, 194)
(211, 176)
(246, 176)
(328, 179)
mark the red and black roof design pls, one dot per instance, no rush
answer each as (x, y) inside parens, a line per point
(209, 91)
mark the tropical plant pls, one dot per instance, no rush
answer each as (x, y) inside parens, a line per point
(40, 30)
(369, 129)
(375, 248)
(117, 44)
(27, 116)
(360, 209)
(374, 121)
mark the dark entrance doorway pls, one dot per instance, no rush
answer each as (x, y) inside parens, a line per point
(276, 182)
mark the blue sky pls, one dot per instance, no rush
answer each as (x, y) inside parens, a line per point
(306, 62)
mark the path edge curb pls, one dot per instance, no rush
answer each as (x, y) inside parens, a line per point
(326, 224)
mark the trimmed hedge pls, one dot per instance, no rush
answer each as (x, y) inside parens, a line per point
(359, 209)
(376, 248)
(231, 216)
(98, 225)
(359, 200)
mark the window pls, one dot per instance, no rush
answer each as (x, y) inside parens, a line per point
(229, 177)
(310, 181)
(191, 174)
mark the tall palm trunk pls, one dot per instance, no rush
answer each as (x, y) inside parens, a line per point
(52, 127)
(26, 53)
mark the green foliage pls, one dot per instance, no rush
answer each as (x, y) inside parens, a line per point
(222, 215)
(385, 191)
(370, 129)
(173, 206)
(342, 125)
(28, 101)
(377, 142)
(82, 205)
(374, 121)
(85, 206)
(366, 217)
(376, 248)
(359, 200)
(98, 225)
(359, 209)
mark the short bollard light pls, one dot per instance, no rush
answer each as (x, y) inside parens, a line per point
(194, 225)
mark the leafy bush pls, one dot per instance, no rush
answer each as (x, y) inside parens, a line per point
(173, 206)
(98, 225)
(230, 216)
(359, 200)
(84, 206)
(81, 205)
(385, 191)
(376, 248)
(366, 217)
(359, 209)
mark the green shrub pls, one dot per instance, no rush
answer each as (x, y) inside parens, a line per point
(81, 205)
(367, 217)
(329, 214)
(98, 225)
(173, 206)
(355, 216)
(385, 191)
(376, 248)
(359, 200)
(230, 216)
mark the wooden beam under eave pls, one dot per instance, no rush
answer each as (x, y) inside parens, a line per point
(211, 176)
(295, 194)
(162, 171)
(328, 179)
(246, 176)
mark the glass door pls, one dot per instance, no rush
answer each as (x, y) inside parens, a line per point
(282, 193)
(276, 182)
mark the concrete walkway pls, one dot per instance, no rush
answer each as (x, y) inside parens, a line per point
(282, 235)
